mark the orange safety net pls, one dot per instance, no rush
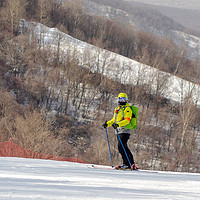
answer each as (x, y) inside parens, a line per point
(10, 149)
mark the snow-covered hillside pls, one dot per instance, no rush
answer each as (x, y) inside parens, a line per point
(22, 179)
(112, 65)
(189, 42)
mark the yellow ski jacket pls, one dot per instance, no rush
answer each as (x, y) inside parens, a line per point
(122, 116)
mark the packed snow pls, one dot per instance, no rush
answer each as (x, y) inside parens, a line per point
(22, 179)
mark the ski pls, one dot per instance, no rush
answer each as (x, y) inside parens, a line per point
(114, 168)
(100, 167)
(136, 170)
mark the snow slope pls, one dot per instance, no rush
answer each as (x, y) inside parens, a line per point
(24, 179)
(112, 65)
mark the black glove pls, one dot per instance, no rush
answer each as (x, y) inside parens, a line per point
(115, 126)
(105, 125)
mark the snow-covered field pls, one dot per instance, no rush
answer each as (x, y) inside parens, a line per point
(24, 179)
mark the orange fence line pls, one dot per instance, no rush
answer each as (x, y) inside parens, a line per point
(10, 149)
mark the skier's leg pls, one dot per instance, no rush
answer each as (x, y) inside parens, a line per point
(124, 138)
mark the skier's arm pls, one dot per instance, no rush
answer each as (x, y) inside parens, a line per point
(112, 121)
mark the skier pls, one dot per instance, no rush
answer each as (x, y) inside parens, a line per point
(121, 118)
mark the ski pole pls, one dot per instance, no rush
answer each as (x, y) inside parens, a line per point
(109, 147)
(123, 147)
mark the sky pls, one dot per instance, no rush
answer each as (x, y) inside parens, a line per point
(22, 179)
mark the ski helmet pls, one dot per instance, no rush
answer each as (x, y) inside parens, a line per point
(122, 98)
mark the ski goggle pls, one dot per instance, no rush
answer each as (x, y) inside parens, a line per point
(122, 99)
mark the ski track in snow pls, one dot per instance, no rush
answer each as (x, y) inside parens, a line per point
(24, 179)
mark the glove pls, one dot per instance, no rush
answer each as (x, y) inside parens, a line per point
(115, 126)
(105, 125)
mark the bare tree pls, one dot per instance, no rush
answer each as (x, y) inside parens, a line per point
(187, 116)
(44, 10)
(12, 13)
(35, 134)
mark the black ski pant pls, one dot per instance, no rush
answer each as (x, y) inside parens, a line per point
(124, 139)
